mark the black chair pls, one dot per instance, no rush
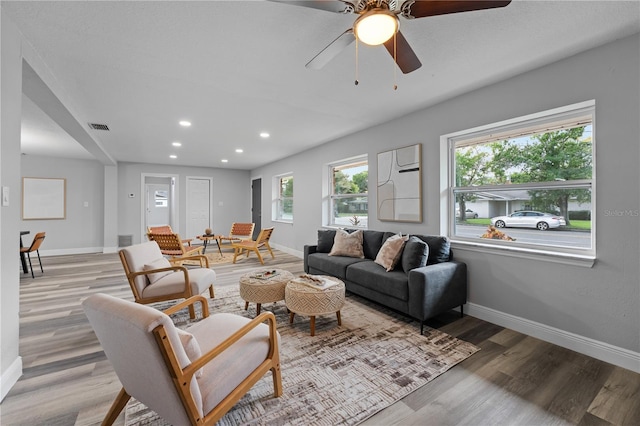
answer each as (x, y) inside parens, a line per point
(35, 246)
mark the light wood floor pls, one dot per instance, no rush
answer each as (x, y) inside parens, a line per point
(513, 380)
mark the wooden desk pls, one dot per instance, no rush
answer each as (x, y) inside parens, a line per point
(23, 259)
(205, 241)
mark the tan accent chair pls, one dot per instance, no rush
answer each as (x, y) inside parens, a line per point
(254, 246)
(166, 229)
(239, 231)
(154, 278)
(191, 376)
(35, 246)
(172, 245)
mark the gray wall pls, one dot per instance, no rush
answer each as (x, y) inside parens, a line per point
(231, 188)
(83, 228)
(600, 303)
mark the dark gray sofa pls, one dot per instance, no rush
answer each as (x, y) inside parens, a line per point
(421, 292)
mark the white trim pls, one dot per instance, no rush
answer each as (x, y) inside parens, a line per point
(188, 182)
(288, 250)
(10, 377)
(615, 355)
(174, 217)
(83, 250)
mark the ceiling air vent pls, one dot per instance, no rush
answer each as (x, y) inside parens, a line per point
(96, 126)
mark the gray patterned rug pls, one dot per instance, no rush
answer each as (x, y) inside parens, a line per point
(343, 375)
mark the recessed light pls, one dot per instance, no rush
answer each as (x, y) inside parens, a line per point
(224, 160)
(173, 156)
(185, 123)
(176, 143)
(239, 151)
(264, 135)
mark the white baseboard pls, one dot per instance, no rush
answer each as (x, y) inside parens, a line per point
(64, 252)
(288, 250)
(10, 377)
(615, 355)
(110, 249)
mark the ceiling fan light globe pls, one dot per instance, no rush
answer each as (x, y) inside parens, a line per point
(376, 26)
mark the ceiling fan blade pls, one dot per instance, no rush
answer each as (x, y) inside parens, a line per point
(337, 6)
(425, 8)
(404, 55)
(332, 50)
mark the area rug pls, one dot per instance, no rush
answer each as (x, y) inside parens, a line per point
(341, 376)
(213, 257)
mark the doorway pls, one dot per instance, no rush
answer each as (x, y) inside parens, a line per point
(159, 202)
(256, 206)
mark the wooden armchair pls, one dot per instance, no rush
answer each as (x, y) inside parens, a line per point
(192, 376)
(171, 245)
(239, 231)
(166, 229)
(254, 246)
(153, 278)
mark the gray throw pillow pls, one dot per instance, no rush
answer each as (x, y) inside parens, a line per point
(415, 254)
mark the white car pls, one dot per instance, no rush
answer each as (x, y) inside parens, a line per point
(529, 219)
(469, 214)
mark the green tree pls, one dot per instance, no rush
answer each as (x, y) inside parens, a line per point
(343, 184)
(472, 165)
(561, 155)
(362, 181)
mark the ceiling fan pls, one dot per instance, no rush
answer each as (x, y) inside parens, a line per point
(378, 23)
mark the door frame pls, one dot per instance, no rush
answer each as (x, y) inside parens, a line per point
(174, 218)
(210, 179)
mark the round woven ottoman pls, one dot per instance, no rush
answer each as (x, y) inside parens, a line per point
(303, 299)
(264, 287)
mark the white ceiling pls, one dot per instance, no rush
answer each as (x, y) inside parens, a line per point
(236, 68)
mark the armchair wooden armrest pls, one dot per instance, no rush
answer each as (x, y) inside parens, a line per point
(204, 261)
(191, 301)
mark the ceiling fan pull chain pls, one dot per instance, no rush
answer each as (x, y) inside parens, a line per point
(395, 61)
(356, 81)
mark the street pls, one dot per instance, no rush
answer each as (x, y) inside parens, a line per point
(555, 237)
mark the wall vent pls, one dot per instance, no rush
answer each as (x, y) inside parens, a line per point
(96, 126)
(125, 240)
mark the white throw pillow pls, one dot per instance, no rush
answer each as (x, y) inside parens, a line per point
(157, 264)
(391, 251)
(349, 245)
(191, 347)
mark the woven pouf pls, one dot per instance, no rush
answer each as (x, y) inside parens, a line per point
(266, 289)
(304, 300)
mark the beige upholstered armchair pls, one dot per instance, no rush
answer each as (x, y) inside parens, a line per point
(154, 278)
(187, 377)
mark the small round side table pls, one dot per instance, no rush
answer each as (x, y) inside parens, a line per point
(265, 289)
(302, 299)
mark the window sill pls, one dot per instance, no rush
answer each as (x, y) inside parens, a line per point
(586, 261)
(290, 222)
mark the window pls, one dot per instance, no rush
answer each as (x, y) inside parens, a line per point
(348, 200)
(525, 184)
(284, 198)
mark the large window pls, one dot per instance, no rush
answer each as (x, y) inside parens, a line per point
(349, 187)
(526, 184)
(283, 188)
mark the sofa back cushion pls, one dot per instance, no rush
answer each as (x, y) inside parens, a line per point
(325, 240)
(415, 254)
(439, 248)
(372, 242)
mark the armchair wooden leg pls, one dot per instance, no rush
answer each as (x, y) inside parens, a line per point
(259, 256)
(277, 380)
(116, 408)
(211, 293)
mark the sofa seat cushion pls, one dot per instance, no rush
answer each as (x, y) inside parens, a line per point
(332, 265)
(373, 276)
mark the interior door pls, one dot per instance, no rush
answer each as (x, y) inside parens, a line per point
(256, 206)
(157, 204)
(198, 205)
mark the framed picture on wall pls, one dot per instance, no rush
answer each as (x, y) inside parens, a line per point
(44, 198)
(400, 184)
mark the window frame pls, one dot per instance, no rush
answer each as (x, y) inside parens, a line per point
(279, 199)
(332, 198)
(514, 127)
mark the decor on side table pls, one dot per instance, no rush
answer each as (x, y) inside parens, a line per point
(208, 231)
(400, 184)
